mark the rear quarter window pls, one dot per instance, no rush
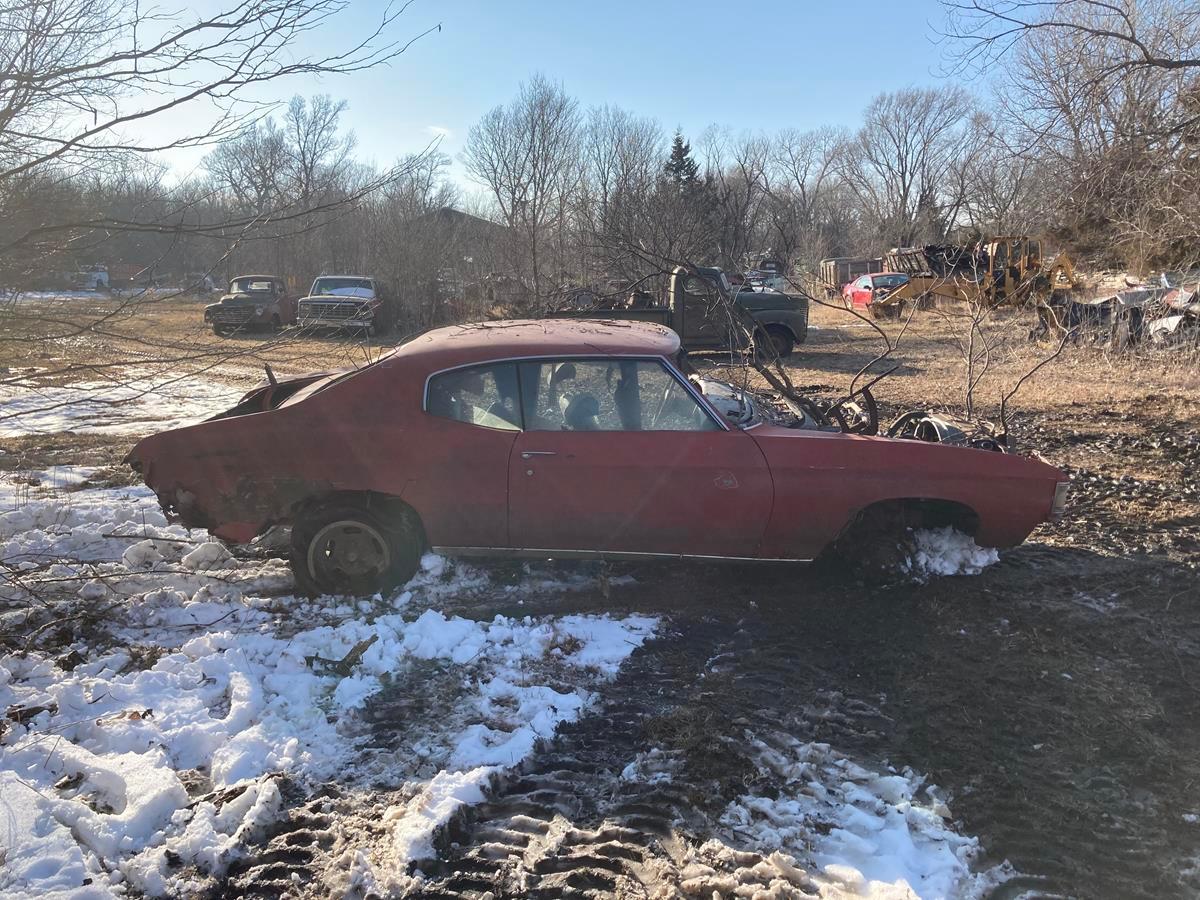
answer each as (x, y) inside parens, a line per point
(485, 396)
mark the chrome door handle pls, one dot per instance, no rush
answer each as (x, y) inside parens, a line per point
(529, 454)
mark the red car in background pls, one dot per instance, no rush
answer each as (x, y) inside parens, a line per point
(862, 291)
(559, 438)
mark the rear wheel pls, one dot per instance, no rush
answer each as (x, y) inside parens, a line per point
(351, 548)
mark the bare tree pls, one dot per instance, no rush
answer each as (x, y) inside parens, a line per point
(1104, 97)
(737, 169)
(622, 156)
(1142, 34)
(798, 183)
(898, 163)
(526, 154)
(90, 84)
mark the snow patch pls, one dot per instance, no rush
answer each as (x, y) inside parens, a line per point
(137, 403)
(947, 551)
(147, 767)
(858, 832)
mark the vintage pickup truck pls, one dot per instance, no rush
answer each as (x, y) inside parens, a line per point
(347, 302)
(692, 309)
(253, 301)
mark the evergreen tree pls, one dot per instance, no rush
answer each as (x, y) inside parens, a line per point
(680, 168)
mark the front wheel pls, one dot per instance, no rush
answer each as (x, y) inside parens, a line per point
(348, 548)
(782, 341)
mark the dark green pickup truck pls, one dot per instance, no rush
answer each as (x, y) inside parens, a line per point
(692, 308)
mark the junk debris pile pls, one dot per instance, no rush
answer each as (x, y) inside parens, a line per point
(1165, 314)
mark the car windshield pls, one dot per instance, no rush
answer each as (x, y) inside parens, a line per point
(890, 280)
(250, 286)
(340, 285)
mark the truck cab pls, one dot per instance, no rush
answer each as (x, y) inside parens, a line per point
(692, 307)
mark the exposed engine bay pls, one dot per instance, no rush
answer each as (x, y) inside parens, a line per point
(857, 414)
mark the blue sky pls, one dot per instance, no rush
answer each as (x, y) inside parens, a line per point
(753, 66)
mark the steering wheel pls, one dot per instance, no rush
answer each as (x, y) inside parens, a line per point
(662, 405)
(858, 415)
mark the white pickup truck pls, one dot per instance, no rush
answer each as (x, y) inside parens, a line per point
(347, 302)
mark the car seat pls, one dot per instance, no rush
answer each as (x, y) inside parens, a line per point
(581, 413)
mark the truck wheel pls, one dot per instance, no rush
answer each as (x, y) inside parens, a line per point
(781, 338)
(346, 548)
(222, 330)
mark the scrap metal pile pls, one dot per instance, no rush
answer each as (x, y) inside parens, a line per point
(1161, 315)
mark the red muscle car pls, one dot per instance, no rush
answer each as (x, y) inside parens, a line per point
(557, 438)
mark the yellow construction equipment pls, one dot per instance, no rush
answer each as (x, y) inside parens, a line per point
(1008, 270)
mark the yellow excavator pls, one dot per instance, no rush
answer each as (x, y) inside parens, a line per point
(1003, 270)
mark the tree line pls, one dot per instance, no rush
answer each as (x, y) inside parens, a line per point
(1084, 131)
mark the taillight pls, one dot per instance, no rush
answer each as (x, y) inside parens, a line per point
(1060, 500)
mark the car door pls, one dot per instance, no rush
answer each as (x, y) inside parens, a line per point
(471, 421)
(618, 455)
(862, 291)
(702, 309)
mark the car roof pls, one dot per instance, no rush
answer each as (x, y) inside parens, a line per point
(506, 339)
(264, 277)
(359, 277)
(879, 274)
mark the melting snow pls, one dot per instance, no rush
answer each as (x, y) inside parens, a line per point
(150, 761)
(157, 756)
(137, 403)
(947, 551)
(858, 832)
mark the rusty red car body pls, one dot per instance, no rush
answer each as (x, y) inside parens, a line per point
(508, 480)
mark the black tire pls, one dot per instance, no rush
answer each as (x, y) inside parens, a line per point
(276, 324)
(380, 549)
(222, 330)
(782, 339)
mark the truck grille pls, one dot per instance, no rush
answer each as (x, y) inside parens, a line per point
(330, 309)
(233, 315)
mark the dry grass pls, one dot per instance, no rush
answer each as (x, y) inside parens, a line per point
(1090, 389)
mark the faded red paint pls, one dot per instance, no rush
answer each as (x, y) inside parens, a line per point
(767, 492)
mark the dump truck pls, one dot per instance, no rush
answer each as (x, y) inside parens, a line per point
(691, 306)
(1003, 270)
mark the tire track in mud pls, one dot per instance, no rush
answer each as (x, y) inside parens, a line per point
(959, 679)
(570, 823)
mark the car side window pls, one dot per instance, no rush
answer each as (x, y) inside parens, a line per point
(481, 395)
(608, 395)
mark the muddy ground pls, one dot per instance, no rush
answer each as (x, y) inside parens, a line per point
(1053, 697)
